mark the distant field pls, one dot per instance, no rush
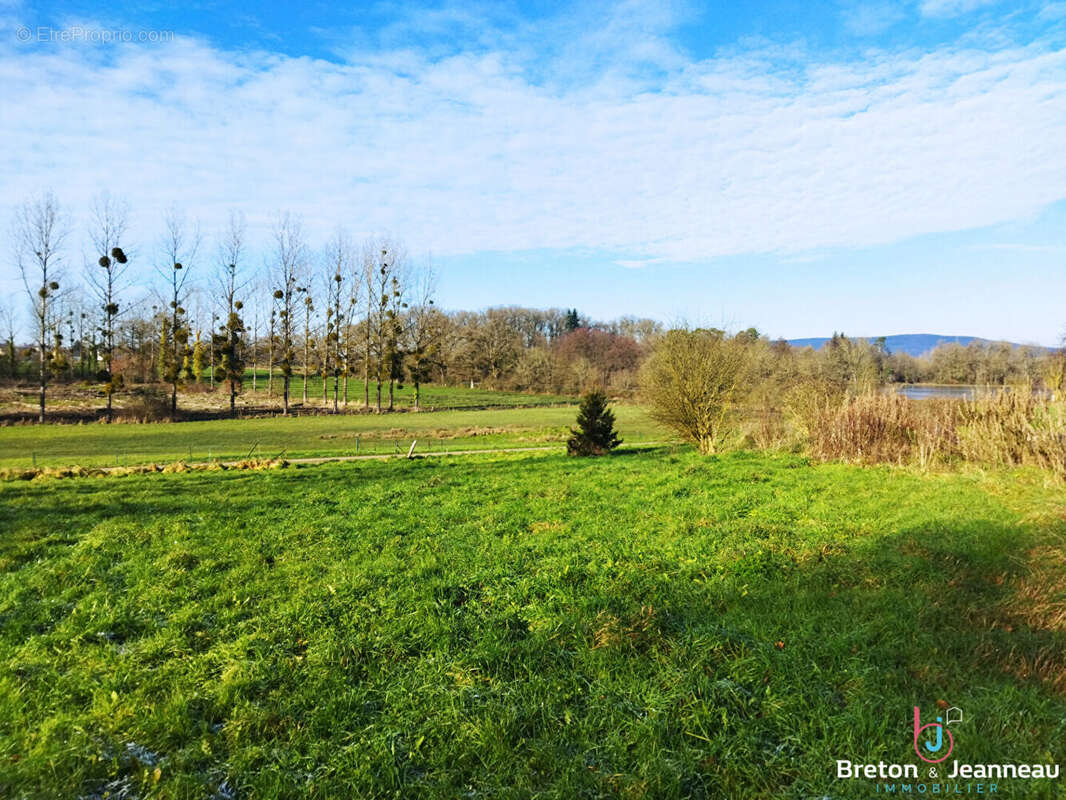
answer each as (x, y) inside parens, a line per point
(433, 395)
(97, 444)
(638, 626)
(72, 399)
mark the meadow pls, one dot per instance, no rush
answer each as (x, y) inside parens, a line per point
(434, 396)
(653, 624)
(326, 435)
(83, 401)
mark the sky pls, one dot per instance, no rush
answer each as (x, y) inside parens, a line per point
(862, 166)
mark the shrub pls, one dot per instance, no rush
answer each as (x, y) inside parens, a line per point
(1004, 428)
(146, 405)
(595, 434)
(693, 381)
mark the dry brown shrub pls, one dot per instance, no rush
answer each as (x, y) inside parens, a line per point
(1003, 428)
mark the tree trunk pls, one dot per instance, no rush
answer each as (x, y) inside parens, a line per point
(418, 396)
(285, 393)
(391, 382)
(366, 377)
(44, 374)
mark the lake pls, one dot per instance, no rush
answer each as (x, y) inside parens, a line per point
(921, 391)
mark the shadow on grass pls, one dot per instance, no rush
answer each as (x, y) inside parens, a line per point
(594, 651)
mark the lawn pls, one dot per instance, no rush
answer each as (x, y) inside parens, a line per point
(97, 444)
(651, 624)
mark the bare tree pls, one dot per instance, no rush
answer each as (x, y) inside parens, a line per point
(271, 341)
(384, 322)
(308, 342)
(369, 272)
(106, 276)
(228, 341)
(180, 245)
(40, 231)
(290, 257)
(424, 330)
(342, 296)
(9, 326)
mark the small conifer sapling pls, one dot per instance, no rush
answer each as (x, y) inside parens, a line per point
(595, 434)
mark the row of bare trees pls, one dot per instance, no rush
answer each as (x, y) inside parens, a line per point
(177, 315)
(344, 308)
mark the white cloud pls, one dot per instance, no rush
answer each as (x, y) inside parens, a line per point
(870, 18)
(951, 8)
(748, 152)
(638, 263)
(1052, 11)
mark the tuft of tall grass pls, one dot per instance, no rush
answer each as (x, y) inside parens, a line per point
(1006, 427)
(1017, 426)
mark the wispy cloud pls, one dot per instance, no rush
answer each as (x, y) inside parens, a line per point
(951, 8)
(871, 17)
(638, 263)
(1020, 247)
(764, 149)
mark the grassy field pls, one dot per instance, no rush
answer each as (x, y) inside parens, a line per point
(67, 399)
(434, 396)
(295, 437)
(644, 625)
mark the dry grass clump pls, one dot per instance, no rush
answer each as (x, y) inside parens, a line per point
(41, 473)
(639, 630)
(146, 405)
(1014, 427)
(1004, 428)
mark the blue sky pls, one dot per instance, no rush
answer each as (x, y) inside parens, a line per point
(872, 167)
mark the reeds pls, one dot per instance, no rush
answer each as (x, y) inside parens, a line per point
(995, 428)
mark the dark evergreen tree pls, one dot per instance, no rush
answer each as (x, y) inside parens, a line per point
(573, 321)
(595, 434)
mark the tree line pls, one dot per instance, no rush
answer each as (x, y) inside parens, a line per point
(351, 313)
(362, 313)
(717, 389)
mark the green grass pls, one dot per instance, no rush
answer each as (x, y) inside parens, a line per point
(433, 396)
(644, 625)
(101, 445)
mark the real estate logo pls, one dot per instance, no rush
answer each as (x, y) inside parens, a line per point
(931, 747)
(933, 743)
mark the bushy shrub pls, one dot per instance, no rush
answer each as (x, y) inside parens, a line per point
(693, 382)
(146, 405)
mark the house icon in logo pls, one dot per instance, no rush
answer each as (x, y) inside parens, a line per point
(953, 714)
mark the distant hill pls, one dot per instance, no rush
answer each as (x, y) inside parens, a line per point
(914, 344)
